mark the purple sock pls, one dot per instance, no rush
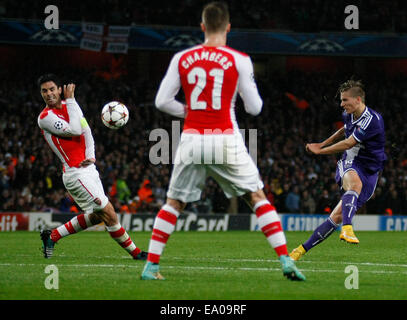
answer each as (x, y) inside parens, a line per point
(320, 234)
(349, 206)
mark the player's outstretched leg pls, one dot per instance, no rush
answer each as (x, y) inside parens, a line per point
(349, 208)
(320, 234)
(47, 244)
(164, 226)
(269, 222)
(117, 232)
(120, 235)
(51, 237)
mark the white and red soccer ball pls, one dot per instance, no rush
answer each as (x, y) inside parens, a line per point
(115, 115)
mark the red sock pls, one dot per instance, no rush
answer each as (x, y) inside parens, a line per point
(76, 224)
(55, 236)
(269, 223)
(164, 226)
(120, 235)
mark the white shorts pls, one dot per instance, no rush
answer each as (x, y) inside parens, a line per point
(223, 157)
(85, 187)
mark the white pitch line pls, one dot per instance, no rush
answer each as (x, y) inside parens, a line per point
(250, 260)
(278, 269)
(301, 261)
(194, 268)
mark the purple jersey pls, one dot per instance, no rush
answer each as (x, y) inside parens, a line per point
(368, 130)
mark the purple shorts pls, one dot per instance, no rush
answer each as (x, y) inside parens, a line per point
(369, 181)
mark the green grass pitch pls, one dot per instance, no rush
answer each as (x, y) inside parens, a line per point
(234, 265)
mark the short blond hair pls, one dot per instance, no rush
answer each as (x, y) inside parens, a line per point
(355, 88)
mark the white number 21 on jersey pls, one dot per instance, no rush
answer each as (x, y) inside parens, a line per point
(198, 76)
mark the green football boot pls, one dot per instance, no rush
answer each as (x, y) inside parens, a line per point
(151, 272)
(290, 270)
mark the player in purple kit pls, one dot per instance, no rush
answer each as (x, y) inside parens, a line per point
(362, 141)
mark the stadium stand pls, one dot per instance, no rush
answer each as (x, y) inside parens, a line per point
(294, 15)
(30, 175)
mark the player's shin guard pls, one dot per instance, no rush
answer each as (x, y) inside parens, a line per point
(120, 235)
(164, 226)
(269, 223)
(320, 233)
(349, 206)
(76, 224)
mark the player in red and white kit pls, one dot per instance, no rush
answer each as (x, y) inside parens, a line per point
(211, 75)
(68, 134)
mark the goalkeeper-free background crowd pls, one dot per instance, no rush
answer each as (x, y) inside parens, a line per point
(30, 175)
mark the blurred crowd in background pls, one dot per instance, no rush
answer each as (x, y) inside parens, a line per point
(294, 15)
(30, 174)
(298, 108)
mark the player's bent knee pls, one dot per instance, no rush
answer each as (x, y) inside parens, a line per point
(254, 197)
(351, 181)
(354, 187)
(357, 187)
(108, 215)
(176, 204)
(94, 218)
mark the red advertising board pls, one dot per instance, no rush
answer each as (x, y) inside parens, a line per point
(13, 221)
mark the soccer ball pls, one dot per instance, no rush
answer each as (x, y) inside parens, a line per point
(115, 115)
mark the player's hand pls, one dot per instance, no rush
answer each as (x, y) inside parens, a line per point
(69, 91)
(87, 162)
(313, 148)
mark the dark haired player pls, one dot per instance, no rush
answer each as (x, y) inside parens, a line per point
(69, 136)
(362, 141)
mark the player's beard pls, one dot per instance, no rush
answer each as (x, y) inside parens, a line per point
(53, 102)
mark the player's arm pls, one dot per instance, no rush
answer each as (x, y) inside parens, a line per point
(338, 135)
(74, 111)
(75, 116)
(368, 130)
(169, 87)
(89, 144)
(338, 147)
(58, 126)
(248, 88)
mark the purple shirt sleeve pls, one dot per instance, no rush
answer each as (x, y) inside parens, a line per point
(368, 129)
